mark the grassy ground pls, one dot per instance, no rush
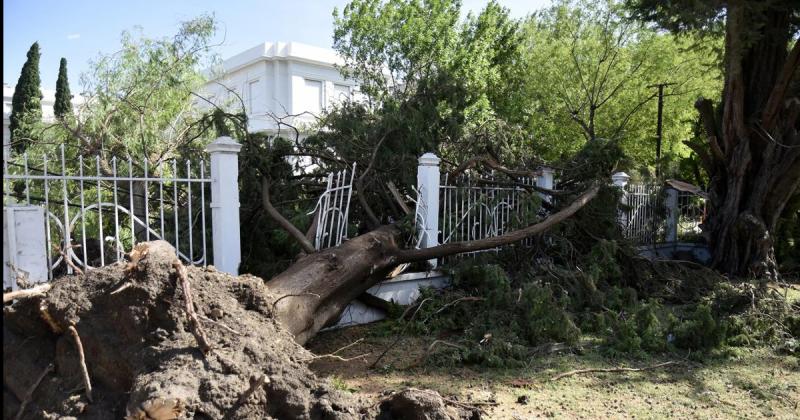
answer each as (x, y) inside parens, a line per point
(739, 383)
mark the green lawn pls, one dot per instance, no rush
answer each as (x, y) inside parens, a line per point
(741, 383)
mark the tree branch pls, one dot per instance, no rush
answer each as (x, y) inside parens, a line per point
(285, 224)
(413, 255)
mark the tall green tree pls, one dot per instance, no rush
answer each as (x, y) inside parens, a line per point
(26, 104)
(434, 80)
(751, 148)
(63, 104)
(588, 72)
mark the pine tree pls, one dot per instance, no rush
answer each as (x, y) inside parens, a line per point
(26, 104)
(63, 104)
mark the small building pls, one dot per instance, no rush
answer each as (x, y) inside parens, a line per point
(279, 81)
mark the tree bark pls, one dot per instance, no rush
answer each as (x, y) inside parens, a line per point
(754, 148)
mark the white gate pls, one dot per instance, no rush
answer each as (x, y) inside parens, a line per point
(658, 214)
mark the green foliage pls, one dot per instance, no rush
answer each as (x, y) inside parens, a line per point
(26, 104)
(139, 100)
(63, 102)
(588, 75)
(432, 83)
(700, 331)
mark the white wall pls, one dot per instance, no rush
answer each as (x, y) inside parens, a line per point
(279, 79)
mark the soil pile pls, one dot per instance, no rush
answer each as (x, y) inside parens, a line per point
(142, 358)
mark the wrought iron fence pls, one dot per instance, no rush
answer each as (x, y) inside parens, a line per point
(656, 214)
(97, 209)
(333, 208)
(477, 208)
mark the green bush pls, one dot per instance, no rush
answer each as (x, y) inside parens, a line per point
(701, 331)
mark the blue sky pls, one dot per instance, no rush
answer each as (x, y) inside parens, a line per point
(80, 29)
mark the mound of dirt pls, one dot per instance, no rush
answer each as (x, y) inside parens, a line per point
(142, 358)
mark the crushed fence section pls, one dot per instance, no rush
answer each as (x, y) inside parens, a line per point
(95, 209)
(333, 209)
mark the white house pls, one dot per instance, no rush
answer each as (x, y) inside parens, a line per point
(285, 80)
(48, 99)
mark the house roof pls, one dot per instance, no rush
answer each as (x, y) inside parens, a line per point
(282, 51)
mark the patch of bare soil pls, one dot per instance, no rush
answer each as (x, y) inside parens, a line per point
(143, 358)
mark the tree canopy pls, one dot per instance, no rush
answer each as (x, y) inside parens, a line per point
(26, 104)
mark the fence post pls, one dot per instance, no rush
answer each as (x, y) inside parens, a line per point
(671, 205)
(428, 201)
(546, 180)
(620, 180)
(224, 153)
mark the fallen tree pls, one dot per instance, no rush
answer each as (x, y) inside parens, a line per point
(149, 356)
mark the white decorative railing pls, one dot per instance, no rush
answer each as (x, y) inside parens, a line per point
(91, 207)
(659, 214)
(94, 210)
(468, 209)
(333, 208)
(478, 209)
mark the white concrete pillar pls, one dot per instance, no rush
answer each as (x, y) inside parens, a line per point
(620, 180)
(428, 201)
(671, 206)
(546, 180)
(227, 247)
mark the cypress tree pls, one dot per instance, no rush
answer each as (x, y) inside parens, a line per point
(63, 104)
(26, 104)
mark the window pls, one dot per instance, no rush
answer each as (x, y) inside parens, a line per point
(341, 93)
(311, 99)
(252, 91)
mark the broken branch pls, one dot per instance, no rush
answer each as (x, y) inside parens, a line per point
(285, 224)
(610, 370)
(413, 255)
(194, 323)
(29, 395)
(27, 293)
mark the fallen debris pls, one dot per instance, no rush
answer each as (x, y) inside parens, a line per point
(611, 370)
(26, 293)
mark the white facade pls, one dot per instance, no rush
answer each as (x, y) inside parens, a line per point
(284, 80)
(48, 100)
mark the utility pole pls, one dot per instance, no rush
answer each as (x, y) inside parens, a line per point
(660, 87)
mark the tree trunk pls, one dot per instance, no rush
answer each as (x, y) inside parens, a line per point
(315, 290)
(753, 149)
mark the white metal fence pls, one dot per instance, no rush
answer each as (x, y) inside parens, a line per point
(72, 212)
(333, 208)
(656, 214)
(472, 209)
(95, 209)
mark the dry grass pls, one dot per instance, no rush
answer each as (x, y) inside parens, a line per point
(747, 384)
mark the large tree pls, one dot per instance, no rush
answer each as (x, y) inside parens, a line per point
(63, 105)
(26, 104)
(752, 146)
(589, 73)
